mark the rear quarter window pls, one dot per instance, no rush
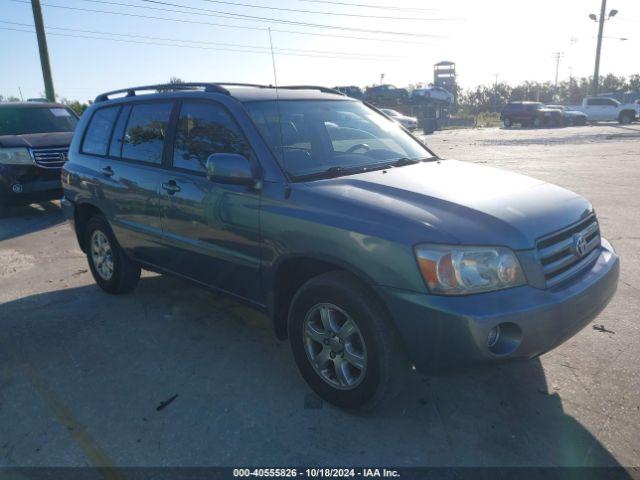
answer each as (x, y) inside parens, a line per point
(96, 139)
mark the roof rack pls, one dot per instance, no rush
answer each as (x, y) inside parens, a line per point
(312, 87)
(233, 84)
(217, 87)
(131, 92)
(285, 87)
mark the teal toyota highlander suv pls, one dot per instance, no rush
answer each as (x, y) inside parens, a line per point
(366, 250)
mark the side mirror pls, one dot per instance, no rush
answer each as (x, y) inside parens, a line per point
(230, 168)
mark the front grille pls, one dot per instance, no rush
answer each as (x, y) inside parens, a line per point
(50, 157)
(561, 255)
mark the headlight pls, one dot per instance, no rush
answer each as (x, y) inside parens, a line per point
(457, 270)
(15, 156)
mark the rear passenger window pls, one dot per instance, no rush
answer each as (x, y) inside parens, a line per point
(204, 129)
(144, 137)
(96, 140)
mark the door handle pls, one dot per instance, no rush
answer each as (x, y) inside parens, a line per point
(107, 171)
(171, 187)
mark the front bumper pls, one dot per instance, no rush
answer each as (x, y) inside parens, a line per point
(451, 332)
(25, 184)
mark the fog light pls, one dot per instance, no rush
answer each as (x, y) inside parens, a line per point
(493, 337)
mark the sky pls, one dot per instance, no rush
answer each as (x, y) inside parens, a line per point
(228, 40)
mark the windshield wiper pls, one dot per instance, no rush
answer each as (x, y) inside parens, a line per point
(339, 171)
(401, 162)
(330, 172)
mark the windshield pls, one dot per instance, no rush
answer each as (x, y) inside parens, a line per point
(21, 121)
(316, 136)
(391, 113)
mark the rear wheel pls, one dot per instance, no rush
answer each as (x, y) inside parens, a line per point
(112, 270)
(343, 343)
(536, 122)
(508, 123)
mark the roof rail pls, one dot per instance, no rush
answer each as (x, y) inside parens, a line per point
(233, 84)
(287, 87)
(312, 87)
(131, 92)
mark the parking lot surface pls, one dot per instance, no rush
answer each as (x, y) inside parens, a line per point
(172, 375)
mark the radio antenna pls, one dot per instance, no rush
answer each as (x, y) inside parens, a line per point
(275, 80)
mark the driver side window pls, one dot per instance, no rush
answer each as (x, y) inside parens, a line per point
(204, 129)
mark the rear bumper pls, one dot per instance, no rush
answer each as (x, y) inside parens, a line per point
(451, 332)
(69, 212)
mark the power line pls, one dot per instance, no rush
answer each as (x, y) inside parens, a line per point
(223, 25)
(165, 39)
(258, 50)
(379, 7)
(315, 12)
(245, 17)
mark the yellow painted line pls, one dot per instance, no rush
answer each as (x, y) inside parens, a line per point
(78, 432)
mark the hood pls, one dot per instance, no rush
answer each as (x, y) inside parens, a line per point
(37, 140)
(455, 202)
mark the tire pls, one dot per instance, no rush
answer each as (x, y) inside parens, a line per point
(327, 303)
(507, 123)
(625, 119)
(536, 122)
(116, 273)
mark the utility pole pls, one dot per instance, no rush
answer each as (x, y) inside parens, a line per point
(557, 56)
(596, 70)
(495, 94)
(44, 51)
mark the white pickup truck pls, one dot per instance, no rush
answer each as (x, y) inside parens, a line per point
(603, 109)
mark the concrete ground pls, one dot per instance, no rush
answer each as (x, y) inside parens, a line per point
(84, 375)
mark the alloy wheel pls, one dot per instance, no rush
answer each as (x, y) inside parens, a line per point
(334, 346)
(102, 254)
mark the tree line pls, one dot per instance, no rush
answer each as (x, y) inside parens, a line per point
(492, 98)
(489, 98)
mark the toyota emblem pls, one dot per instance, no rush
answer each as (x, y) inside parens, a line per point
(579, 245)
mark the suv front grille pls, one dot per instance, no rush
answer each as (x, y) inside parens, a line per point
(568, 252)
(50, 157)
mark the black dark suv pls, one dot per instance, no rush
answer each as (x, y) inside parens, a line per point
(34, 142)
(386, 95)
(530, 114)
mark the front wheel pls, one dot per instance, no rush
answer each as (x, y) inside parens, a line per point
(346, 348)
(626, 119)
(536, 123)
(112, 270)
(507, 123)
